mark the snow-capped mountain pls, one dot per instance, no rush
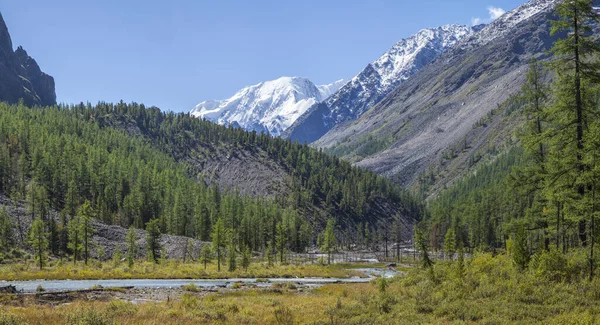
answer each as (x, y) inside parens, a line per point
(505, 23)
(380, 77)
(270, 106)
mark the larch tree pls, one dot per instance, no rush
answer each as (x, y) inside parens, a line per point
(219, 241)
(85, 217)
(132, 247)
(153, 235)
(75, 237)
(329, 241)
(577, 67)
(206, 254)
(38, 238)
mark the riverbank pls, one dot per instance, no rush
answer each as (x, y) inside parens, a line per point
(171, 269)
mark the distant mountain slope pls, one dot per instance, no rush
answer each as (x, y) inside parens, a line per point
(411, 128)
(372, 84)
(270, 106)
(20, 75)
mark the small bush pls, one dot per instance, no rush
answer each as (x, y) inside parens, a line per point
(189, 302)
(88, 316)
(10, 319)
(121, 308)
(191, 287)
(284, 316)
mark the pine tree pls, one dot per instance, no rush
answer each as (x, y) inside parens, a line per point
(206, 254)
(84, 215)
(450, 243)
(132, 247)
(219, 236)
(39, 241)
(6, 229)
(520, 252)
(422, 245)
(329, 241)
(246, 257)
(281, 240)
(232, 256)
(75, 237)
(117, 256)
(153, 235)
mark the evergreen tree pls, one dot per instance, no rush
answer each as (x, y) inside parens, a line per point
(577, 66)
(219, 240)
(422, 245)
(281, 240)
(132, 248)
(329, 241)
(75, 237)
(39, 241)
(84, 217)
(246, 257)
(520, 252)
(153, 235)
(206, 254)
(117, 256)
(6, 229)
(232, 256)
(450, 243)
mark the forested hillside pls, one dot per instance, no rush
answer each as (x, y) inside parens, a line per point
(134, 165)
(543, 193)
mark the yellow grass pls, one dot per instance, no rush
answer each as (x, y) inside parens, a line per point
(168, 270)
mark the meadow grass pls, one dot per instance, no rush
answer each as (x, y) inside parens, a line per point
(170, 269)
(486, 290)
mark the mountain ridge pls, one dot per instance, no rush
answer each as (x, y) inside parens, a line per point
(376, 80)
(438, 106)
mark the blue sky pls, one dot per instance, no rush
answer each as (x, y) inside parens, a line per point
(174, 54)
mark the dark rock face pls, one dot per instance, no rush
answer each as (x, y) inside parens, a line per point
(20, 75)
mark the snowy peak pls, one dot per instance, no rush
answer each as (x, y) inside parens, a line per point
(270, 106)
(377, 80)
(403, 59)
(505, 23)
(328, 90)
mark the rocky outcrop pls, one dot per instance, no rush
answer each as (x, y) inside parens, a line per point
(20, 75)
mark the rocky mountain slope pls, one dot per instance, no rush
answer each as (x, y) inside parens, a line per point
(270, 106)
(20, 75)
(410, 129)
(372, 84)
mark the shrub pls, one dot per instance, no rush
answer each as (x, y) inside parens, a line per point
(87, 316)
(284, 316)
(191, 287)
(10, 319)
(121, 308)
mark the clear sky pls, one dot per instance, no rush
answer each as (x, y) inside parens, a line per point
(174, 54)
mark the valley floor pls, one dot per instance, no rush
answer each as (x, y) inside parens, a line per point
(483, 289)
